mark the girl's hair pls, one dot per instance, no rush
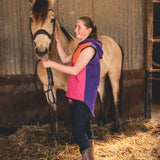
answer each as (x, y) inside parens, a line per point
(89, 24)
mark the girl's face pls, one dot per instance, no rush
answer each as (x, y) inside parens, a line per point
(81, 31)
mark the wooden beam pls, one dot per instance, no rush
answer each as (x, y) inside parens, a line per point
(149, 49)
(156, 1)
(155, 40)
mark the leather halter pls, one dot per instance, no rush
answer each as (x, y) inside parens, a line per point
(42, 31)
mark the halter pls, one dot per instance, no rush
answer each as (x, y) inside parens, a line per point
(42, 31)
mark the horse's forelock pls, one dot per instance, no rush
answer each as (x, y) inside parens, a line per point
(40, 9)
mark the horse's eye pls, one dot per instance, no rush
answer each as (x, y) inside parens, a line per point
(52, 20)
(30, 18)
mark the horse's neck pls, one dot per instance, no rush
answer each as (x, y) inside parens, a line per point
(68, 46)
(64, 42)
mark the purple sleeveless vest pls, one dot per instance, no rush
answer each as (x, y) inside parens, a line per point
(84, 85)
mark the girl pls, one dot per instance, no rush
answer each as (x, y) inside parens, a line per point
(83, 81)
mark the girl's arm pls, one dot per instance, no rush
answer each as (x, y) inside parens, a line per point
(83, 59)
(63, 56)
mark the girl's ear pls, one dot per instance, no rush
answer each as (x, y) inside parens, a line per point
(30, 1)
(89, 30)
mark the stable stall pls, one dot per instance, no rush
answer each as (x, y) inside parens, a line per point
(128, 22)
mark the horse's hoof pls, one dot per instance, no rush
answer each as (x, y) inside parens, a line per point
(99, 123)
(55, 143)
(54, 140)
(104, 122)
(70, 101)
(115, 128)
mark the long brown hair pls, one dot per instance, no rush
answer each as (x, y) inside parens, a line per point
(89, 24)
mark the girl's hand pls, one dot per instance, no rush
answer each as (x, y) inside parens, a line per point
(46, 63)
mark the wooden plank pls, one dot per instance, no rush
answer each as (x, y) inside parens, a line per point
(19, 97)
(69, 11)
(149, 13)
(155, 40)
(28, 58)
(10, 38)
(120, 19)
(156, 1)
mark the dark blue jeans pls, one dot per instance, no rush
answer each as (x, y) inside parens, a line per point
(81, 125)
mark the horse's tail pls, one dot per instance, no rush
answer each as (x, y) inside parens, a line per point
(121, 83)
(109, 99)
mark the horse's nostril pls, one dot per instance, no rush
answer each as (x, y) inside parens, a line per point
(46, 50)
(41, 53)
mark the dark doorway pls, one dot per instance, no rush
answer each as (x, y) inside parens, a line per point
(156, 56)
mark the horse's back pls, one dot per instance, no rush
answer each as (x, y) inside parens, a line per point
(112, 56)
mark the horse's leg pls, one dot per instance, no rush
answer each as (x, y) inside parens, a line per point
(54, 122)
(53, 115)
(101, 91)
(114, 79)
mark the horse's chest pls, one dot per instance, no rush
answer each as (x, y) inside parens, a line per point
(61, 81)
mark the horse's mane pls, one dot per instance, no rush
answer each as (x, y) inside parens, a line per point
(66, 34)
(40, 10)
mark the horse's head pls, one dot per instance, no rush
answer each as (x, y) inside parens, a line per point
(42, 25)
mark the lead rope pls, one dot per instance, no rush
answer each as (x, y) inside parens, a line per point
(50, 83)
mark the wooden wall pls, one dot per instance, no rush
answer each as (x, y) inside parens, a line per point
(123, 20)
(129, 22)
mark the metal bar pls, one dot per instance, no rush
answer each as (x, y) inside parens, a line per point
(155, 64)
(154, 70)
(155, 40)
(148, 101)
(156, 79)
(156, 1)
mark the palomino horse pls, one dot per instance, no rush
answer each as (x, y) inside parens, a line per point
(42, 23)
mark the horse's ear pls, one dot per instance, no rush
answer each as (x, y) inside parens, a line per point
(52, 2)
(31, 2)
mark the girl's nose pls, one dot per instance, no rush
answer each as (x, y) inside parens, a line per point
(75, 30)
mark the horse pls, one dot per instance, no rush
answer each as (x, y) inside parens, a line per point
(42, 26)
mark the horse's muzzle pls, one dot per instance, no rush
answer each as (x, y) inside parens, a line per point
(41, 54)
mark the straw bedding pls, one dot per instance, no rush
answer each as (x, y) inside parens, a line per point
(138, 139)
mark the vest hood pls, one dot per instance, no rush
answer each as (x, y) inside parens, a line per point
(96, 44)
